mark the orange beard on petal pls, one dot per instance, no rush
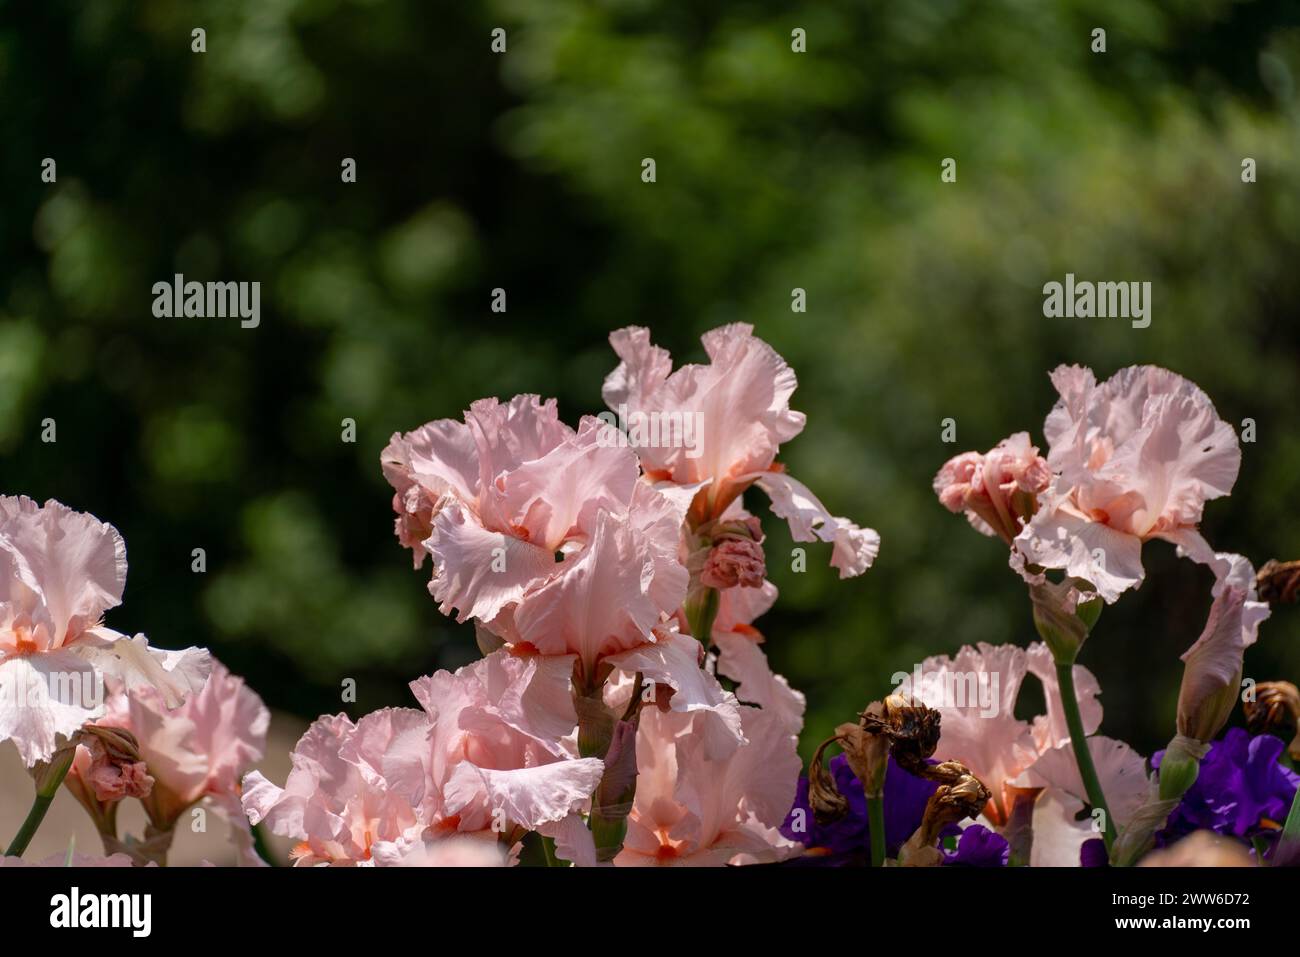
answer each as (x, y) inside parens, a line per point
(666, 853)
(24, 643)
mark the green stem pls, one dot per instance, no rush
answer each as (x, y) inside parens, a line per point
(45, 792)
(876, 825)
(701, 612)
(1079, 742)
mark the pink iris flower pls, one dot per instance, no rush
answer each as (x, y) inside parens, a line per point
(1136, 457)
(740, 403)
(60, 571)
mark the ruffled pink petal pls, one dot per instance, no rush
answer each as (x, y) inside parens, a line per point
(1058, 537)
(741, 659)
(44, 697)
(205, 746)
(741, 398)
(478, 572)
(264, 801)
(855, 548)
(975, 693)
(529, 797)
(317, 766)
(573, 840)
(230, 806)
(695, 809)
(738, 607)
(642, 371)
(657, 518)
(59, 569)
(437, 459)
(1050, 730)
(174, 675)
(673, 660)
(1143, 451)
(1120, 769)
(509, 434)
(529, 694)
(599, 603)
(552, 498)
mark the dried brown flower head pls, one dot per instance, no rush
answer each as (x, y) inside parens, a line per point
(1275, 711)
(911, 728)
(1278, 582)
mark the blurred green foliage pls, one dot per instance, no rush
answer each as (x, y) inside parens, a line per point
(522, 171)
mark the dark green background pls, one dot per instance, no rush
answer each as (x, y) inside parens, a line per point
(522, 171)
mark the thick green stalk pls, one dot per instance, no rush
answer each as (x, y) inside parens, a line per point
(876, 824)
(701, 612)
(47, 787)
(1083, 756)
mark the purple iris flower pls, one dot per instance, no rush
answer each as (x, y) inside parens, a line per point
(1241, 790)
(977, 846)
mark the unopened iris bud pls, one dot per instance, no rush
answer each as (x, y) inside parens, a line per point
(612, 801)
(1180, 765)
(1213, 665)
(998, 491)
(1064, 616)
(48, 775)
(108, 763)
(733, 554)
(106, 767)
(732, 563)
(1019, 829)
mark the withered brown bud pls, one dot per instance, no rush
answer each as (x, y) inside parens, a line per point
(867, 753)
(963, 796)
(911, 728)
(1278, 582)
(828, 804)
(119, 744)
(1275, 711)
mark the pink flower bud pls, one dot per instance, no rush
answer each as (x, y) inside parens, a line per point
(109, 766)
(999, 490)
(737, 561)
